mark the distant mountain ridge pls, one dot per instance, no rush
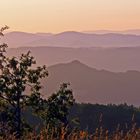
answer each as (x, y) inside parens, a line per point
(19, 39)
(130, 31)
(112, 59)
(95, 86)
(71, 39)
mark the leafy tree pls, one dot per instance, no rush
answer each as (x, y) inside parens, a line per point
(16, 75)
(56, 108)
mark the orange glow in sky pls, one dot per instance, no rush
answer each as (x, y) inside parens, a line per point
(62, 15)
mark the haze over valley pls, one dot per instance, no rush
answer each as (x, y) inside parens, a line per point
(87, 61)
(102, 67)
(113, 59)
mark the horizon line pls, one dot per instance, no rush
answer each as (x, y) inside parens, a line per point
(82, 31)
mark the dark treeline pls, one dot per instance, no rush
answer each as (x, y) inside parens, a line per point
(89, 117)
(92, 116)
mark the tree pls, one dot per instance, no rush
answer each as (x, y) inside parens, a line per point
(58, 106)
(17, 78)
(16, 75)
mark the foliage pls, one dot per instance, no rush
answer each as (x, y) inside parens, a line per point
(58, 106)
(55, 109)
(16, 75)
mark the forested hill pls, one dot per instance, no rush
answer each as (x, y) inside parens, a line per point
(91, 116)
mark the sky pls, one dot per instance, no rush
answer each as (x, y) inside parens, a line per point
(69, 15)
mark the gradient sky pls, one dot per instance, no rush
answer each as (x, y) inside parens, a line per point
(61, 15)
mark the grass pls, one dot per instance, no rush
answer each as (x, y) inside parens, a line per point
(65, 133)
(99, 134)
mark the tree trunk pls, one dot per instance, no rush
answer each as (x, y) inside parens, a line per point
(18, 116)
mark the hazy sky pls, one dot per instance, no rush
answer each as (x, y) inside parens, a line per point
(62, 15)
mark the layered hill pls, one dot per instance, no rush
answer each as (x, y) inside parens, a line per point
(71, 39)
(94, 86)
(112, 59)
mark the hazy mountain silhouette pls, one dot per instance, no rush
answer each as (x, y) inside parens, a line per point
(77, 40)
(112, 59)
(18, 39)
(131, 31)
(95, 86)
(44, 34)
(71, 39)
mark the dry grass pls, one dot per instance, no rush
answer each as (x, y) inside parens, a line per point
(99, 134)
(65, 134)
